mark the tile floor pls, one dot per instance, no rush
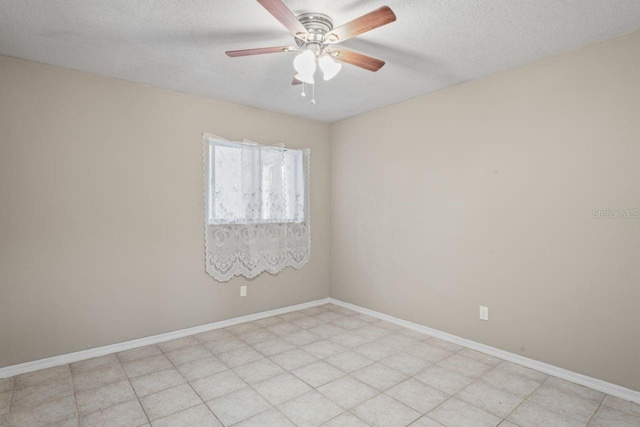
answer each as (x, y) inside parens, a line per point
(324, 366)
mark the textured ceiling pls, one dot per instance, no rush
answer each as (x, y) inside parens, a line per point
(180, 44)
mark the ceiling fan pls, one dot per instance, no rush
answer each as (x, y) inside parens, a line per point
(317, 39)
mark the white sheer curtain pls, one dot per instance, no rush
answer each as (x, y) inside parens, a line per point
(256, 208)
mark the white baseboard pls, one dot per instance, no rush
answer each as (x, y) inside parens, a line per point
(594, 383)
(63, 359)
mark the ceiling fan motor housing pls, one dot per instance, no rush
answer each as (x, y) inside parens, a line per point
(317, 24)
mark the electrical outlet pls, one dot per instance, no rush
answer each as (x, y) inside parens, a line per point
(484, 313)
(243, 291)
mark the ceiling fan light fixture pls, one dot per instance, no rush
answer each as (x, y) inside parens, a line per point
(329, 67)
(305, 63)
(305, 78)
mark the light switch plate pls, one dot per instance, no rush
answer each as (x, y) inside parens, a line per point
(243, 291)
(484, 313)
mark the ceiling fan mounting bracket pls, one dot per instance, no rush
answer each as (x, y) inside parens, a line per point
(317, 25)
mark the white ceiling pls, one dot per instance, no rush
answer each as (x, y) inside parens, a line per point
(180, 44)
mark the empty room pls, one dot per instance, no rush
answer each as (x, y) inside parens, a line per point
(276, 213)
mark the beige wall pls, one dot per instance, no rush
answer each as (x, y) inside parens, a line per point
(483, 194)
(101, 223)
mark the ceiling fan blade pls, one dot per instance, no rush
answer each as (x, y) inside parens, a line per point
(260, 51)
(368, 22)
(357, 59)
(282, 13)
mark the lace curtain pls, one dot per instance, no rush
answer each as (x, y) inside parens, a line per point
(256, 208)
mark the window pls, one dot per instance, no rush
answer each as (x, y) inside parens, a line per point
(254, 184)
(257, 215)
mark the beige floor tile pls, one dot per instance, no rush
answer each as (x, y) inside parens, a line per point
(506, 423)
(387, 325)
(214, 335)
(238, 406)
(4, 420)
(201, 368)
(268, 321)
(448, 381)
(364, 317)
(59, 412)
(7, 384)
(347, 391)
(157, 381)
(294, 315)
(329, 316)
(609, 417)
(100, 398)
(98, 377)
(345, 420)
(217, 385)
(350, 340)
(480, 357)
(283, 328)
(405, 363)
(269, 418)
(446, 345)
(123, 414)
(147, 365)
(379, 376)
(429, 352)
(530, 414)
(256, 336)
(301, 338)
(372, 332)
(465, 366)
(522, 371)
(5, 401)
(398, 342)
(310, 409)
(327, 330)
(170, 401)
(187, 354)
(43, 376)
(622, 405)
(419, 336)
(138, 353)
(317, 373)
(417, 395)
(349, 323)
(323, 349)
(293, 359)
(224, 345)
(383, 411)
(308, 322)
(41, 393)
(281, 388)
(456, 413)
(493, 400)
(273, 347)
(177, 344)
(345, 311)
(514, 383)
(258, 371)
(242, 327)
(374, 350)
(349, 361)
(95, 363)
(197, 416)
(426, 422)
(240, 356)
(561, 400)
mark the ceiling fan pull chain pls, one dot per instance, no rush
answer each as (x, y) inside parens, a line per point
(313, 94)
(303, 94)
